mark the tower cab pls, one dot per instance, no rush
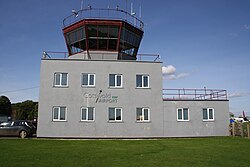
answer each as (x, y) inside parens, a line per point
(102, 36)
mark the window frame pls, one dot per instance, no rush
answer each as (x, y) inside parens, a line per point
(182, 115)
(88, 79)
(59, 113)
(143, 114)
(208, 114)
(115, 86)
(142, 81)
(87, 114)
(60, 77)
(116, 108)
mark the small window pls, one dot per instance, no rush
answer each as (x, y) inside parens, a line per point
(208, 114)
(115, 114)
(182, 114)
(115, 80)
(87, 114)
(59, 113)
(142, 81)
(88, 80)
(61, 79)
(142, 115)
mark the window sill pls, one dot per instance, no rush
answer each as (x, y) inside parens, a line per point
(112, 87)
(87, 121)
(208, 120)
(59, 121)
(183, 121)
(143, 121)
(60, 86)
(115, 121)
(142, 88)
(86, 86)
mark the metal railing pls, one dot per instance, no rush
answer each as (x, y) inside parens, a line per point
(53, 55)
(102, 13)
(194, 94)
(65, 55)
(148, 57)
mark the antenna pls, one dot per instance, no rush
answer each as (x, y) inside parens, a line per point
(140, 12)
(82, 4)
(132, 13)
(131, 9)
(126, 8)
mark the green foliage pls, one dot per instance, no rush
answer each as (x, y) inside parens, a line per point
(5, 106)
(203, 152)
(26, 110)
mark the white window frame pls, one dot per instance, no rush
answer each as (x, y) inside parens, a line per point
(182, 115)
(60, 84)
(207, 110)
(59, 112)
(142, 78)
(143, 114)
(88, 76)
(116, 108)
(87, 114)
(116, 86)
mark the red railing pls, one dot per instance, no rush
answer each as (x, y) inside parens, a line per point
(102, 13)
(194, 94)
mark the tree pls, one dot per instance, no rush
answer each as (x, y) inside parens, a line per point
(26, 110)
(5, 106)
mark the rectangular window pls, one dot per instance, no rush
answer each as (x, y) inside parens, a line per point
(182, 114)
(115, 114)
(208, 114)
(59, 113)
(88, 80)
(142, 114)
(61, 79)
(87, 114)
(142, 81)
(115, 80)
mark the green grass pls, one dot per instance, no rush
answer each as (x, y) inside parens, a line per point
(218, 151)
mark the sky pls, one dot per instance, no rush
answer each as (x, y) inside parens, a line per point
(202, 43)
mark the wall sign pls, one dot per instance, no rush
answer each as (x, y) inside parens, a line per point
(101, 97)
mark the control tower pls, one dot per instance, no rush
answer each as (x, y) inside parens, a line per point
(103, 88)
(91, 31)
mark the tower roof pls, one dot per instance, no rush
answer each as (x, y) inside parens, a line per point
(95, 29)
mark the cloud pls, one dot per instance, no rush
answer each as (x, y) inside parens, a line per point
(169, 73)
(247, 27)
(178, 76)
(238, 94)
(168, 70)
(233, 34)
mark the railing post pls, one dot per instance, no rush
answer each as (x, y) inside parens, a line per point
(233, 128)
(248, 130)
(241, 130)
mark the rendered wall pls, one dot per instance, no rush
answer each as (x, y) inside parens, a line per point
(73, 97)
(196, 127)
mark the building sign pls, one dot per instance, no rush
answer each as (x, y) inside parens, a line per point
(101, 97)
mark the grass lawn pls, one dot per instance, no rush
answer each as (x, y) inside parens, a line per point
(218, 151)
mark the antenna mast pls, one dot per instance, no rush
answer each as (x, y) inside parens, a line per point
(82, 4)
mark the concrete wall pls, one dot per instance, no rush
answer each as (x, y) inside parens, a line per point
(73, 97)
(196, 127)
